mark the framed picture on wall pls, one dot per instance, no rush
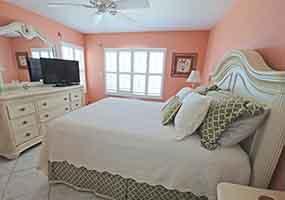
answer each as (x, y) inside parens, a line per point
(22, 59)
(183, 64)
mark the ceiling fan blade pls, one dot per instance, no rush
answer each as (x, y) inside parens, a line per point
(132, 4)
(126, 17)
(58, 4)
(98, 18)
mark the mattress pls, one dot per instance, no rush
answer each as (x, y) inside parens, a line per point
(125, 137)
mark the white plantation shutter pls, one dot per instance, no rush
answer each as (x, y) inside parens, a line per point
(73, 52)
(42, 53)
(134, 72)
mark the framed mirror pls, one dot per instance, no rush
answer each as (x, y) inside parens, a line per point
(20, 46)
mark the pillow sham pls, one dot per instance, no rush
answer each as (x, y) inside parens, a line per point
(242, 129)
(237, 129)
(219, 117)
(203, 90)
(169, 111)
(191, 114)
(166, 103)
(183, 93)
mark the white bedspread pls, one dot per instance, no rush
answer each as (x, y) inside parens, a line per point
(126, 137)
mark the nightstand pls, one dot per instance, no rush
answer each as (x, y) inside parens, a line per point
(227, 191)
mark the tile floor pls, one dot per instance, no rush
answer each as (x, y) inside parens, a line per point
(20, 180)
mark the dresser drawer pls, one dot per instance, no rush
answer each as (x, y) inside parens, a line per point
(76, 105)
(26, 134)
(54, 101)
(75, 95)
(51, 114)
(20, 109)
(24, 122)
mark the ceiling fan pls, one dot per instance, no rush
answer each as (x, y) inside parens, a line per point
(107, 7)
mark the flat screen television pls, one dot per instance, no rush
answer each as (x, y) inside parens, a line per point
(60, 72)
(35, 70)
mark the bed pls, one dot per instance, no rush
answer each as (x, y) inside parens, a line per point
(118, 148)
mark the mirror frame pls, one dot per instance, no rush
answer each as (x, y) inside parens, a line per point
(26, 31)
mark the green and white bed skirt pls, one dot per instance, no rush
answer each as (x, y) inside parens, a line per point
(112, 186)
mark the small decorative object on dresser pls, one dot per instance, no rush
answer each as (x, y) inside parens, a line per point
(22, 59)
(25, 112)
(183, 64)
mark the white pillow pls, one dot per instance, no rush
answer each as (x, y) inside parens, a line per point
(191, 114)
(183, 93)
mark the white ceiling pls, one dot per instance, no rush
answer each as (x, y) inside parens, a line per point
(163, 15)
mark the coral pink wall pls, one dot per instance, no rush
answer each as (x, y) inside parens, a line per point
(252, 24)
(48, 27)
(195, 41)
(6, 61)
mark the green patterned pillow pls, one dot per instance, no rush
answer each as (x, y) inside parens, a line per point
(170, 110)
(219, 117)
(222, 114)
(203, 90)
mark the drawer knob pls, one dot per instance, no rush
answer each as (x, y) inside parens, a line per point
(76, 105)
(22, 109)
(27, 134)
(44, 104)
(75, 96)
(66, 109)
(65, 99)
(46, 116)
(24, 122)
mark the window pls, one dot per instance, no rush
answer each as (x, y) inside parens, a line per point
(134, 72)
(42, 53)
(73, 52)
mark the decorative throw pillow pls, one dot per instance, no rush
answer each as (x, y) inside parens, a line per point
(191, 114)
(166, 103)
(250, 108)
(218, 119)
(203, 90)
(183, 93)
(246, 125)
(169, 111)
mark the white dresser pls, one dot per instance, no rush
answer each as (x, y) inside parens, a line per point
(25, 112)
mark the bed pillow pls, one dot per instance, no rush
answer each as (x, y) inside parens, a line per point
(203, 90)
(169, 111)
(222, 114)
(242, 129)
(218, 119)
(183, 93)
(166, 103)
(191, 114)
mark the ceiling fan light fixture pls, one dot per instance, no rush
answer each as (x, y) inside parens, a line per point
(113, 12)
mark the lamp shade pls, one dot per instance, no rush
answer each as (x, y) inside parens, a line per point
(194, 77)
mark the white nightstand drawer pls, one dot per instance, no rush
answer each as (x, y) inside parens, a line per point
(51, 102)
(76, 105)
(24, 122)
(75, 95)
(27, 134)
(48, 115)
(20, 109)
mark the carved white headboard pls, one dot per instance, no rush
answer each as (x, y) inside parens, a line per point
(245, 73)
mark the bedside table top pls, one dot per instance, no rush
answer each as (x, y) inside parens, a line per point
(227, 191)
